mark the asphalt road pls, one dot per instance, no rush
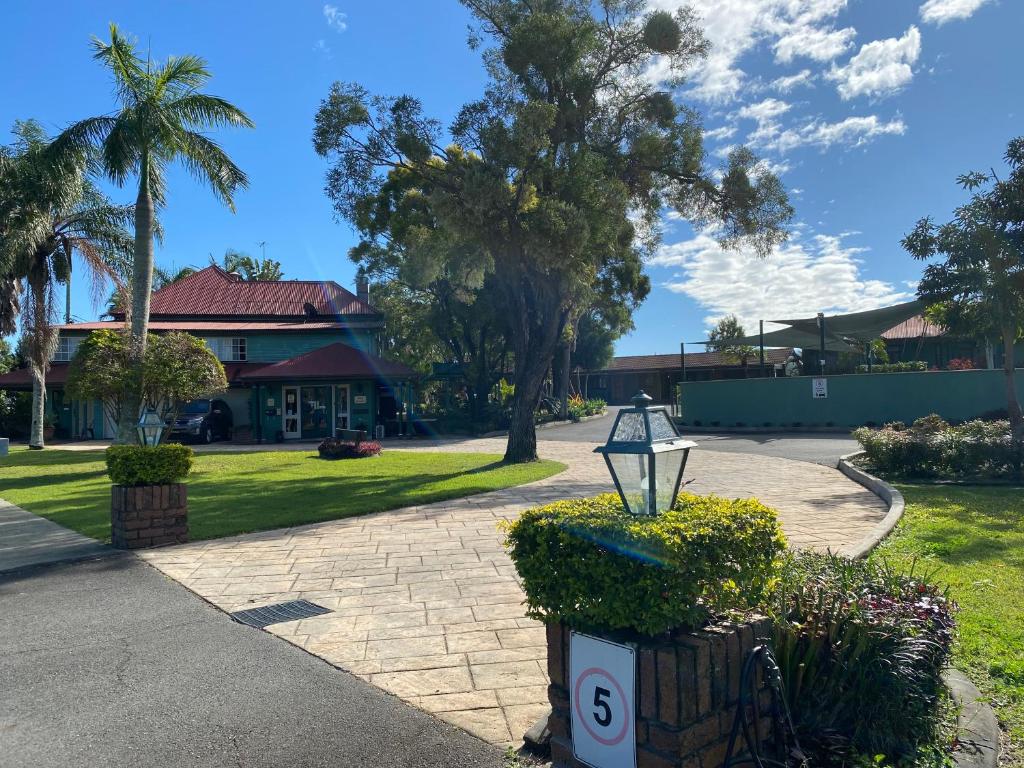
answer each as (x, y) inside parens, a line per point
(811, 447)
(109, 663)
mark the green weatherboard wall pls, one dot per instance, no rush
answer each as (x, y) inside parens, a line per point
(852, 400)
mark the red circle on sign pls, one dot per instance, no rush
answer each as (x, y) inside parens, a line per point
(622, 696)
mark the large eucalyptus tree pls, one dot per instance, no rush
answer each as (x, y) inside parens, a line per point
(51, 212)
(161, 118)
(557, 177)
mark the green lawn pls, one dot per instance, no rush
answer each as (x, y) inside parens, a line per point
(973, 539)
(238, 492)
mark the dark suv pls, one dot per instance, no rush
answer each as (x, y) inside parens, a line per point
(203, 420)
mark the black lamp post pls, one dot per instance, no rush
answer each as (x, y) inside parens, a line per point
(646, 457)
(150, 428)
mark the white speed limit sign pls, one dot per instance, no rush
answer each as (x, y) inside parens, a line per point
(602, 699)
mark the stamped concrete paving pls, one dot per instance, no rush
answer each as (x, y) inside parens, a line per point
(426, 602)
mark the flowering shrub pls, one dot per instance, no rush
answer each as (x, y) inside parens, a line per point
(960, 364)
(579, 408)
(592, 565)
(932, 448)
(332, 448)
(861, 648)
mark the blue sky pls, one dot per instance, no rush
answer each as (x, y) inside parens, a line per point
(867, 109)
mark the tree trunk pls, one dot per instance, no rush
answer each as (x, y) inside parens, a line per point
(1012, 404)
(522, 432)
(142, 287)
(36, 439)
(563, 381)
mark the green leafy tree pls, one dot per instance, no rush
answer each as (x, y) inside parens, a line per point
(248, 267)
(177, 368)
(553, 183)
(54, 213)
(162, 117)
(408, 336)
(723, 336)
(977, 262)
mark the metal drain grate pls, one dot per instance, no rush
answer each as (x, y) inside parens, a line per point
(278, 612)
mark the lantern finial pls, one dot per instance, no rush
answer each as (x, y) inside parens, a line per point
(641, 399)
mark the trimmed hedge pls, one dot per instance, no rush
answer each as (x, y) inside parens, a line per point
(906, 366)
(930, 447)
(592, 565)
(138, 465)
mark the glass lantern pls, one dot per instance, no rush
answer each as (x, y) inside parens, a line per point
(150, 428)
(646, 457)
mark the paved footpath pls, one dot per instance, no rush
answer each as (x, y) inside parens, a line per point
(426, 604)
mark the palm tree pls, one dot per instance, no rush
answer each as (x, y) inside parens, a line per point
(52, 211)
(161, 118)
(249, 268)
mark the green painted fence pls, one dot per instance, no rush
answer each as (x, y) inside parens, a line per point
(851, 400)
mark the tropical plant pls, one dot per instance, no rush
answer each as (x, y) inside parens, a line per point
(553, 183)
(981, 271)
(162, 117)
(53, 213)
(723, 338)
(248, 268)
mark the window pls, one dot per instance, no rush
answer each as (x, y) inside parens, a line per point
(238, 350)
(66, 348)
(227, 350)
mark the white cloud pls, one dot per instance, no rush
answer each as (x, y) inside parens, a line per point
(321, 47)
(718, 134)
(800, 278)
(764, 110)
(336, 20)
(737, 27)
(941, 11)
(853, 131)
(814, 43)
(787, 83)
(880, 68)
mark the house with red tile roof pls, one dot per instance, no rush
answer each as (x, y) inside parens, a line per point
(301, 357)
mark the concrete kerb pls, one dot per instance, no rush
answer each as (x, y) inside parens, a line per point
(884, 491)
(977, 726)
(551, 424)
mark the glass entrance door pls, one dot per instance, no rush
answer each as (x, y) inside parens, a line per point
(341, 414)
(290, 413)
(316, 412)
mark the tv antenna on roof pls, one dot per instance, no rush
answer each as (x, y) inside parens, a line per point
(263, 246)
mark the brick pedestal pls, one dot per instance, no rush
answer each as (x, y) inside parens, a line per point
(688, 687)
(148, 515)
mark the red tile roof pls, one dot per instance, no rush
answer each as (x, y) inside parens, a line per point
(216, 325)
(334, 361)
(693, 360)
(914, 328)
(20, 378)
(214, 292)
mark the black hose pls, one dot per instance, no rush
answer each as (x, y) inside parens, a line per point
(782, 722)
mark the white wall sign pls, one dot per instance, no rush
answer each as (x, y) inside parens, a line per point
(819, 389)
(603, 702)
(359, 399)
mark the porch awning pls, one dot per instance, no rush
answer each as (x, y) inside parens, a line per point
(843, 333)
(334, 361)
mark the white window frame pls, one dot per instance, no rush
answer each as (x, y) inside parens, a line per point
(67, 346)
(238, 352)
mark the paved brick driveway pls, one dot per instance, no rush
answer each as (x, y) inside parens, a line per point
(426, 602)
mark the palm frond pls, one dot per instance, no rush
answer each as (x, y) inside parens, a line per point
(180, 73)
(82, 137)
(120, 58)
(120, 151)
(200, 110)
(207, 162)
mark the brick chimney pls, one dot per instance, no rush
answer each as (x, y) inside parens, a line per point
(363, 288)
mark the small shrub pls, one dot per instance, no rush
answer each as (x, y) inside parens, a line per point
(907, 366)
(930, 447)
(580, 408)
(138, 465)
(960, 364)
(861, 648)
(332, 448)
(592, 565)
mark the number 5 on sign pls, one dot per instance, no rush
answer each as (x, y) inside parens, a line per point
(602, 699)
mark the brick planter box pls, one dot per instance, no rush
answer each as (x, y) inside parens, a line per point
(148, 515)
(687, 690)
